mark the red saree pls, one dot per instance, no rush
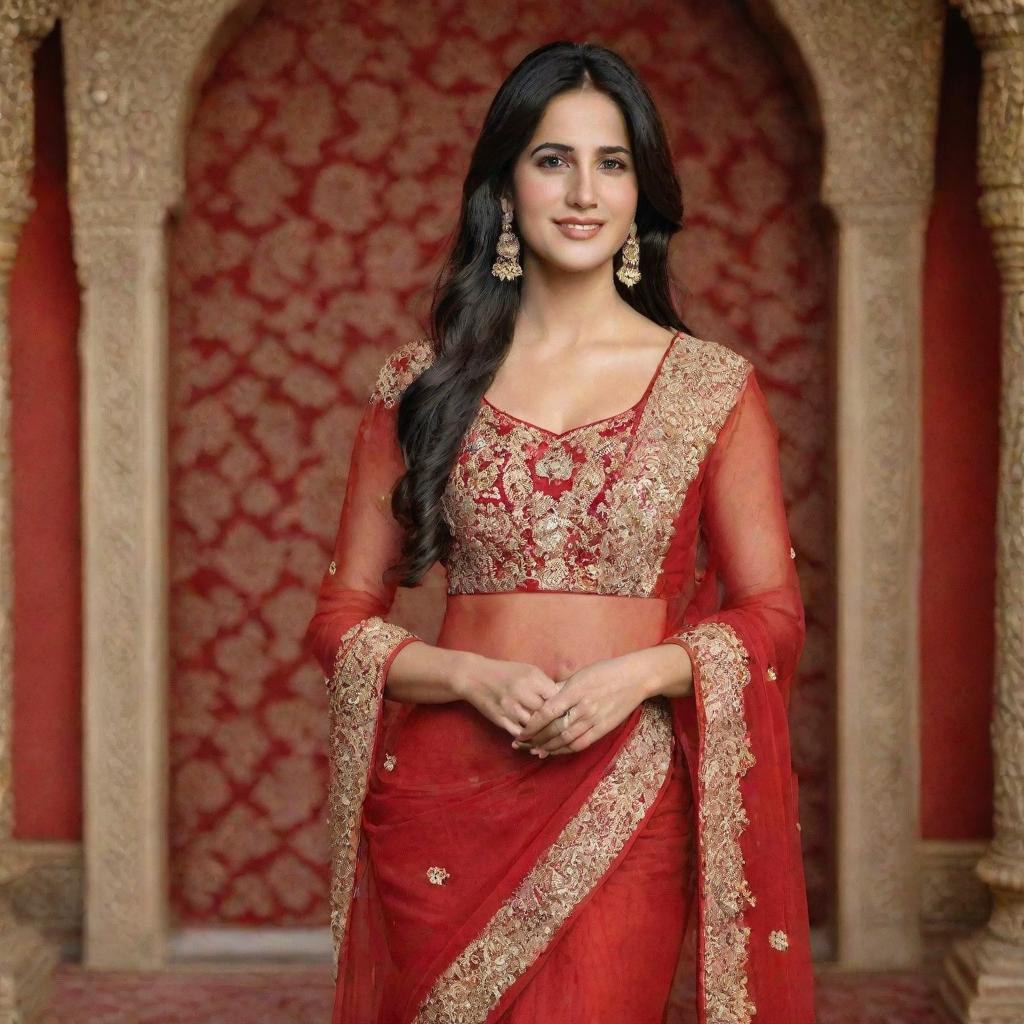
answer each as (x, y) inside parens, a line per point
(473, 882)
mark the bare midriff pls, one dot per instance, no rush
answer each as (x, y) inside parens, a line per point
(558, 632)
(453, 744)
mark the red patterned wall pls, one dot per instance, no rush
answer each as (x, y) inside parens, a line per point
(324, 170)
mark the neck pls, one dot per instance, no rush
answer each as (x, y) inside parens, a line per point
(566, 307)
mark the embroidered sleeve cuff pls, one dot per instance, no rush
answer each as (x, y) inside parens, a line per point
(355, 695)
(368, 649)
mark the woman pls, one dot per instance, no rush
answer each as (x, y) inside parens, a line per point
(527, 814)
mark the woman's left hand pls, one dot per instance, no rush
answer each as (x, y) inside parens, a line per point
(603, 695)
(600, 697)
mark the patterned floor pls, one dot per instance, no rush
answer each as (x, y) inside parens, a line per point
(303, 996)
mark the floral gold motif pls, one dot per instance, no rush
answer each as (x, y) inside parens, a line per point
(778, 940)
(400, 368)
(770, 673)
(437, 875)
(389, 762)
(332, 568)
(725, 757)
(474, 982)
(556, 464)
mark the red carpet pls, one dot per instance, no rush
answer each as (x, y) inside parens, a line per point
(303, 996)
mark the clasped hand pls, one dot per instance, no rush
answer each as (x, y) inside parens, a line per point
(599, 697)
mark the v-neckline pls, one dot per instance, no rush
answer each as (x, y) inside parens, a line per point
(634, 409)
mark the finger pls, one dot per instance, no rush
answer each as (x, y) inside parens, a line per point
(509, 726)
(551, 735)
(581, 743)
(549, 732)
(566, 736)
(552, 709)
(516, 713)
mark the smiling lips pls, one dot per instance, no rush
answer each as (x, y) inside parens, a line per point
(578, 228)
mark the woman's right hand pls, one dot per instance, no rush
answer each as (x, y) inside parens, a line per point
(507, 693)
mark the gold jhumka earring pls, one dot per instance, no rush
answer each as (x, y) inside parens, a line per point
(629, 272)
(506, 266)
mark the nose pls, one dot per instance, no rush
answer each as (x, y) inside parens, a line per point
(581, 188)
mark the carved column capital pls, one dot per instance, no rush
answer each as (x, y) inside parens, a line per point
(22, 24)
(28, 19)
(999, 28)
(993, 20)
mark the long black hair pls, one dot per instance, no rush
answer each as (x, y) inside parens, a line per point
(473, 313)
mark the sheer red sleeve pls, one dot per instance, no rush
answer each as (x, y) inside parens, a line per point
(348, 632)
(354, 595)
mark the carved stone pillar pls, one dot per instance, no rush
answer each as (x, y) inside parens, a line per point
(984, 974)
(26, 960)
(878, 110)
(133, 72)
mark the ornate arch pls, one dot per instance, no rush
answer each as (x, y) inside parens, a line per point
(133, 72)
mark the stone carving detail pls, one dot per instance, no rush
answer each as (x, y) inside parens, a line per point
(952, 895)
(132, 70)
(984, 975)
(878, 112)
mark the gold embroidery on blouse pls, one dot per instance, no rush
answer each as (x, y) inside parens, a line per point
(591, 510)
(474, 982)
(437, 875)
(389, 762)
(779, 940)
(354, 693)
(508, 532)
(400, 368)
(332, 568)
(770, 673)
(724, 758)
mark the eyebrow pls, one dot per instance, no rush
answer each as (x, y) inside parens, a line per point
(562, 147)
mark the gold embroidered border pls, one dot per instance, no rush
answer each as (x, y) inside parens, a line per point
(679, 426)
(723, 672)
(354, 701)
(473, 984)
(401, 367)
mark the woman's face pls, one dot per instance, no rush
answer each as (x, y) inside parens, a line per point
(577, 166)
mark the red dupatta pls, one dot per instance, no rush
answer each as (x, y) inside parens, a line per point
(708, 443)
(744, 631)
